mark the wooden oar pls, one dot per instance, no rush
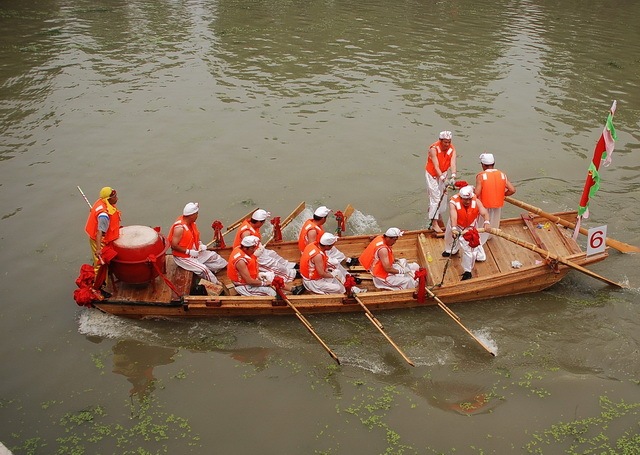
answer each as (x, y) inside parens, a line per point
(378, 325)
(234, 226)
(348, 212)
(307, 324)
(457, 319)
(616, 244)
(298, 210)
(548, 254)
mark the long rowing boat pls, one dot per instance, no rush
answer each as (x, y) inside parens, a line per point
(530, 254)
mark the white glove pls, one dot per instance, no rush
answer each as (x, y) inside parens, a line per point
(443, 177)
(453, 176)
(193, 253)
(455, 231)
(258, 252)
(266, 277)
(202, 247)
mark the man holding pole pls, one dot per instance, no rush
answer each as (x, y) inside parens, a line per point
(441, 157)
(103, 223)
(464, 209)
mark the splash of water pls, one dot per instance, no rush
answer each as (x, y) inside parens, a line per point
(484, 335)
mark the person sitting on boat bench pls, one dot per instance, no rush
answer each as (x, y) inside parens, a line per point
(268, 260)
(243, 271)
(387, 272)
(103, 223)
(492, 186)
(188, 251)
(318, 274)
(312, 230)
(464, 209)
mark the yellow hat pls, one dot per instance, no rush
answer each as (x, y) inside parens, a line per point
(107, 192)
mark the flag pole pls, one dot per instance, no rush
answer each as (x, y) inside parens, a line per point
(603, 150)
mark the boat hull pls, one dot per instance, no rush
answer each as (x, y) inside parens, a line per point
(509, 270)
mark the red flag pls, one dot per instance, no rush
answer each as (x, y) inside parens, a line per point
(603, 151)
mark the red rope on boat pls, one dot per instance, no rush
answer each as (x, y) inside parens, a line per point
(341, 225)
(421, 275)
(349, 282)
(277, 232)
(218, 239)
(152, 261)
(472, 236)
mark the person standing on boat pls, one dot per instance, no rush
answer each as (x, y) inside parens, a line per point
(103, 223)
(243, 271)
(312, 230)
(464, 209)
(441, 157)
(188, 251)
(387, 272)
(268, 260)
(492, 185)
(318, 274)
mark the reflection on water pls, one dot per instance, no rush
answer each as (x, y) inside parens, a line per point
(459, 397)
(136, 361)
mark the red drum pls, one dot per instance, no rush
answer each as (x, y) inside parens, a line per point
(137, 246)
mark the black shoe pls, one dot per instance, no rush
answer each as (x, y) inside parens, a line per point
(446, 254)
(352, 262)
(297, 266)
(358, 280)
(466, 276)
(298, 275)
(297, 290)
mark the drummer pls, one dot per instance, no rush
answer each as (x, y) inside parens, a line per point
(188, 251)
(103, 223)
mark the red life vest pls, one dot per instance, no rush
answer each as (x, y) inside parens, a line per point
(467, 216)
(303, 238)
(91, 228)
(190, 237)
(494, 183)
(307, 268)
(244, 227)
(238, 255)
(370, 260)
(444, 159)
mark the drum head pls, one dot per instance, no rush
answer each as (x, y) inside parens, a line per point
(133, 237)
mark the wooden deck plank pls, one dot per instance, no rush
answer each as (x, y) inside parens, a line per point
(156, 291)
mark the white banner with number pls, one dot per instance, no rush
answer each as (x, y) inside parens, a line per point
(596, 240)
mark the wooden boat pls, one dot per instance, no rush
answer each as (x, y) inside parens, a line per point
(532, 254)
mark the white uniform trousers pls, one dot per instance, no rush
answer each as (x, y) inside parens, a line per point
(494, 219)
(399, 281)
(435, 188)
(205, 265)
(270, 261)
